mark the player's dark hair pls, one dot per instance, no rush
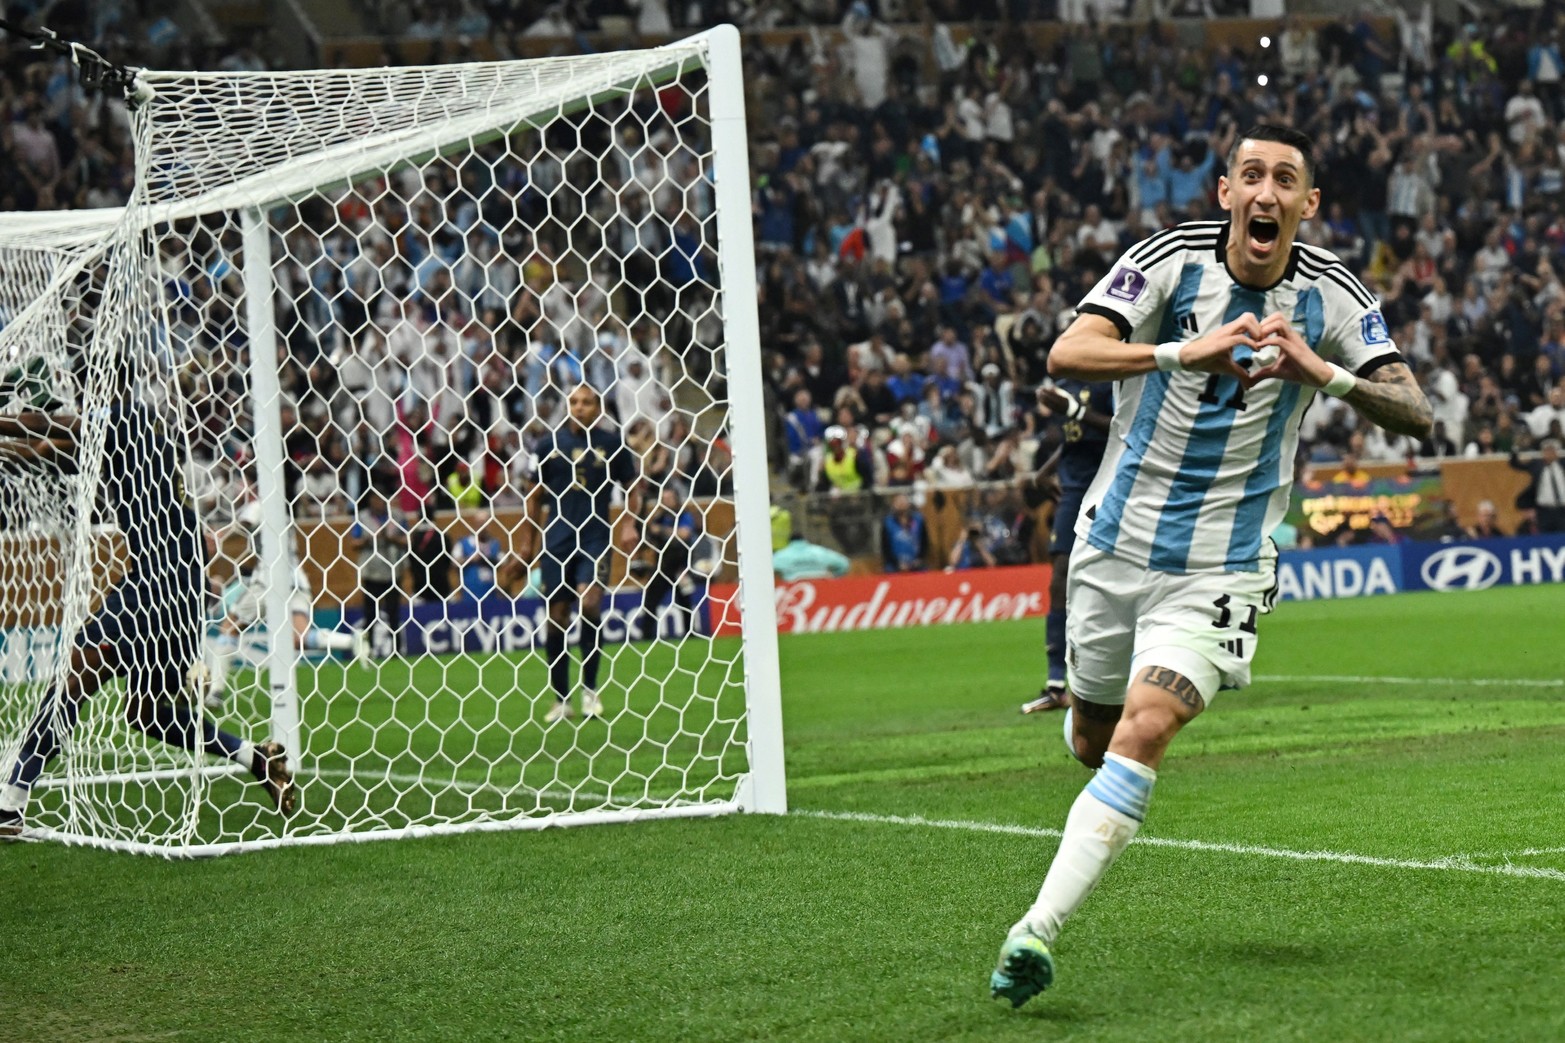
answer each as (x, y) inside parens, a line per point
(1285, 135)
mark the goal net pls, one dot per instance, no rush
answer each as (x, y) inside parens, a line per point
(454, 373)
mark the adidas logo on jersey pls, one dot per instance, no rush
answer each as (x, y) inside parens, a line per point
(1188, 324)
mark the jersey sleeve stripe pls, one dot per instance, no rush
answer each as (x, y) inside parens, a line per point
(1120, 322)
(1378, 362)
(1315, 267)
(1150, 243)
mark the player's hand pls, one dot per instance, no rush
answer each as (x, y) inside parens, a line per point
(1214, 353)
(1059, 403)
(1295, 359)
(628, 536)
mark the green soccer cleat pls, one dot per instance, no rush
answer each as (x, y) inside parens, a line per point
(1025, 967)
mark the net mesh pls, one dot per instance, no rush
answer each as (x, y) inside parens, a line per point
(325, 486)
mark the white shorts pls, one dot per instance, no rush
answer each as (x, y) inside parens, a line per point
(245, 604)
(1122, 618)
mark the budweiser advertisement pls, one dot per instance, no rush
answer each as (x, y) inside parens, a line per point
(815, 606)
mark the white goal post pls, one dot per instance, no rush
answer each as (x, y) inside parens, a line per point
(360, 306)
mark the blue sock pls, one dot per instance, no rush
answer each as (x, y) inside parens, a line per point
(174, 724)
(1124, 785)
(41, 741)
(559, 665)
(1054, 629)
(591, 651)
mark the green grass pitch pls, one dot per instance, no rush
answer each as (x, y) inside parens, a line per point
(1242, 920)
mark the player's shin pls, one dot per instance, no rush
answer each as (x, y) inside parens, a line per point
(221, 652)
(54, 721)
(1101, 824)
(1054, 635)
(559, 665)
(591, 649)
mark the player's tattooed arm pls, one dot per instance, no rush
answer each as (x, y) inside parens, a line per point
(1175, 684)
(1391, 398)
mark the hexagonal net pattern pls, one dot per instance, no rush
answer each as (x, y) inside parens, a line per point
(392, 432)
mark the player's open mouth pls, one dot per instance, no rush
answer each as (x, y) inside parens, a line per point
(1264, 231)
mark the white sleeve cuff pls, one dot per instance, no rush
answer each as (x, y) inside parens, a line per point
(1341, 382)
(1167, 357)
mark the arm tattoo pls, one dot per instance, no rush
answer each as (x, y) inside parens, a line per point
(1391, 398)
(1175, 684)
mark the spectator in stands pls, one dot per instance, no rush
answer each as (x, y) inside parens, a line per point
(844, 466)
(904, 539)
(904, 457)
(995, 398)
(1488, 524)
(1350, 473)
(950, 362)
(380, 543)
(803, 430)
(801, 559)
(1382, 531)
(478, 556)
(429, 559)
(1546, 492)
(971, 550)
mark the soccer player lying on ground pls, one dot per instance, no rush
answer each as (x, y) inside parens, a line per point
(244, 606)
(149, 628)
(1216, 331)
(572, 474)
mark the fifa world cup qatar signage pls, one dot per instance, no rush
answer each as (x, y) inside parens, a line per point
(816, 606)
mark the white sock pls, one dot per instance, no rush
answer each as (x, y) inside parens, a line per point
(1100, 825)
(12, 798)
(224, 649)
(245, 757)
(317, 638)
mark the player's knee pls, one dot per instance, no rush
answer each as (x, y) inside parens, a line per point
(1145, 731)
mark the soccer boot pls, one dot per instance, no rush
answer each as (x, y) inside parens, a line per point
(560, 711)
(591, 704)
(1025, 967)
(10, 824)
(1051, 698)
(270, 767)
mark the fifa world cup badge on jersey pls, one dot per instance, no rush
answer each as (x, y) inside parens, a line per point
(1127, 284)
(1374, 329)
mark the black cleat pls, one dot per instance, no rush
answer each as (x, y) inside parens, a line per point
(1053, 697)
(270, 767)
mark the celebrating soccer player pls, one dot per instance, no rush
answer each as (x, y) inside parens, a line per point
(1220, 335)
(148, 629)
(571, 475)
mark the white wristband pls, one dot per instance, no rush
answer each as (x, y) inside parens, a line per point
(1167, 357)
(1073, 408)
(1341, 382)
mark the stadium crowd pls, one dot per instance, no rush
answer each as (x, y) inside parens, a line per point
(927, 213)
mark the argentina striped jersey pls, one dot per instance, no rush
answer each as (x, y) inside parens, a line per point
(1198, 469)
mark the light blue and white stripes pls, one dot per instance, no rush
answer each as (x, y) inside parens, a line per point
(1122, 788)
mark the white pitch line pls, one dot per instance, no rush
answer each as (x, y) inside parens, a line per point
(1505, 682)
(1454, 863)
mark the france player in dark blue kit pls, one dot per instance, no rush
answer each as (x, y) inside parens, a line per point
(574, 470)
(148, 629)
(1084, 410)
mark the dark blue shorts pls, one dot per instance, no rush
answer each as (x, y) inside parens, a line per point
(149, 632)
(1063, 536)
(563, 569)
